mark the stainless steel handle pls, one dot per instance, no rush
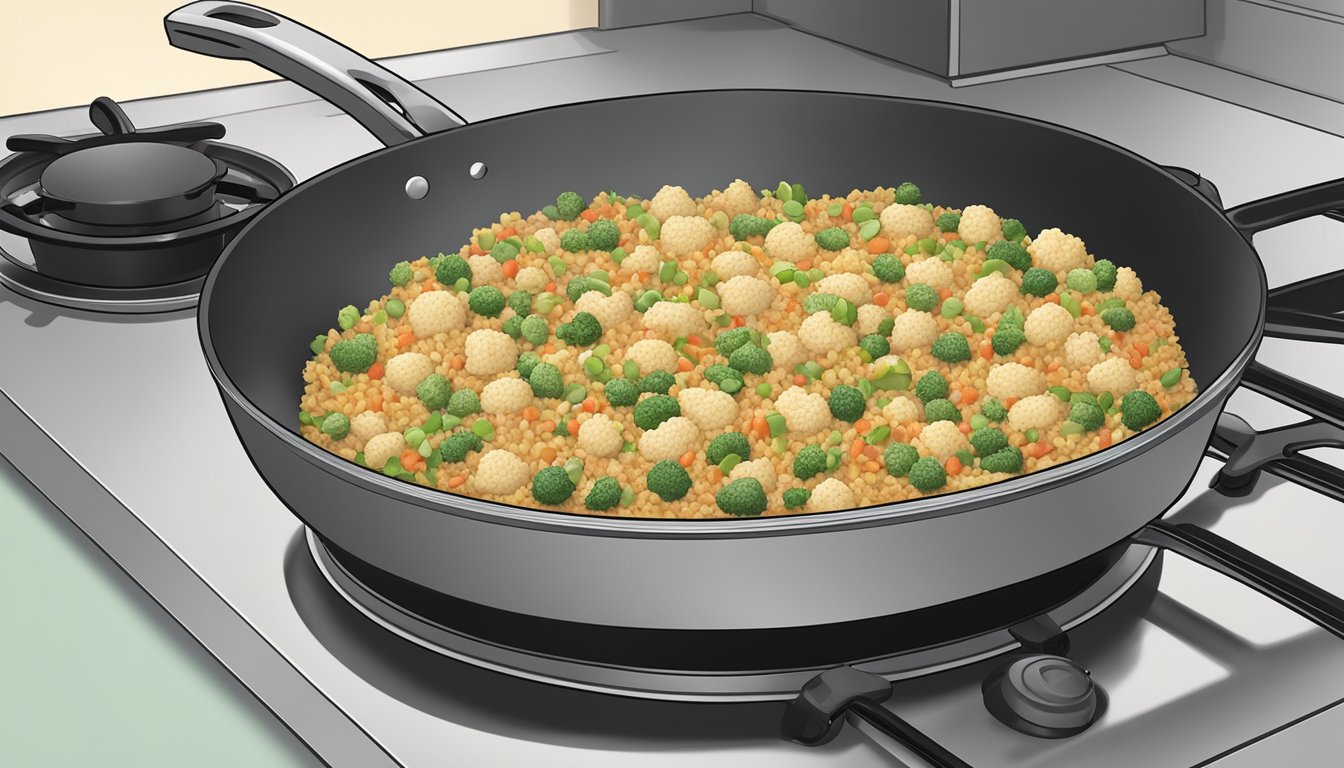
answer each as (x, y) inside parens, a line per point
(393, 109)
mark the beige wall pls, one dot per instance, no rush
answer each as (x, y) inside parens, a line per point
(68, 52)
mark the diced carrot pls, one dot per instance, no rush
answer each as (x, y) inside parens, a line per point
(684, 365)
(1027, 361)
(476, 250)
(572, 427)
(881, 298)
(950, 236)
(376, 404)
(548, 453)
(376, 371)
(694, 339)
(589, 215)
(1104, 437)
(738, 321)
(405, 340)
(1052, 367)
(1141, 348)
(715, 475)
(544, 427)
(549, 348)
(969, 395)
(805, 264)
(1053, 298)
(953, 466)
(847, 212)
(944, 293)
(800, 379)
(531, 413)
(408, 457)
(687, 459)
(458, 362)
(965, 427)
(1088, 310)
(872, 451)
(643, 277)
(792, 306)
(458, 480)
(987, 350)
(1009, 402)
(590, 406)
(1135, 362)
(871, 467)
(862, 426)
(856, 448)
(879, 245)
(759, 426)
(550, 287)
(506, 233)
(913, 430)
(429, 284)
(511, 268)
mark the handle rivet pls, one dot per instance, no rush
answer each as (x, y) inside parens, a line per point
(477, 170)
(417, 187)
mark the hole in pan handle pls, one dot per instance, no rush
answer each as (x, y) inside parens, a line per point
(392, 109)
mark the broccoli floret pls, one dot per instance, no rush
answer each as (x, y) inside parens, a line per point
(577, 286)
(952, 347)
(847, 403)
(486, 300)
(726, 443)
(513, 326)
(603, 235)
(876, 346)
(1082, 280)
(551, 485)
(819, 302)
(1138, 409)
(1006, 459)
(1011, 252)
(504, 251)
(719, 373)
(810, 462)
(941, 410)
(401, 274)
(922, 297)
(1013, 230)
(1013, 318)
(582, 331)
(795, 498)
(535, 330)
(832, 238)
(434, 391)
(546, 381)
(1039, 282)
(726, 343)
(527, 362)
(652, 411)
(744, 225)
(1007, 339)
(456, 446)
(908, 194)
(931, 386)
(658, 382)
(948, 222)
(574, 240)
(354, 355)
(568, 205)
(927, 474)
(1119, 318)
(521, 303)
(605, 494)
(885, 327)
(993, 410)
(744, 497)
(888, 268)
(899, 458)
(669, 480)
(451, 269)
(336, 425)
(1087, 415)
(1105, 271)
(622, 392)
(750, 358)
(464, 402)
(987, 440)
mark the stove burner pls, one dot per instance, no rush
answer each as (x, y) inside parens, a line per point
(139, 183)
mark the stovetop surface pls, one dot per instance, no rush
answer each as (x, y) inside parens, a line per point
(155, 475)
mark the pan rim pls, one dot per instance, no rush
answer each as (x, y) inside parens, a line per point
(1212, 396)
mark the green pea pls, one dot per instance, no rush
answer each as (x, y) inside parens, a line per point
(1067, 301)
(1171, 378)
(979, 421)
(593, 365)
(833, 459)
(835, 209)
(1033, 435)
(634, 211)
(574, 468)
(763, 389)
(731, 386)
(680, 278)
(450, 421)
(318, 344)
(574, 393)
(533, 245)
(977, 325)
(425, 450)
(650, 224)
(709, 279)
(784, 192)
(558, 265)
(869, 229)
(618, 255)
(600, 274)
(396, 308)
(879, 434)
(995, 265)
(305, 418)
(463, 284)
(434, 423)
(1104, 343)
(627, 496)
(786, 276)
(952, 307)
(802, 279)
(1062, 393)
(794, 210)
(630, 369)
(486, 240)
(816, 274)
(834, 438)
(667, 271)
(926, 245)
(347, 317)
(601, 351)
(483, 429)
(776, 423)
(719, 220)
(628, 447)
(414, 437)
(1071, 428)
(729, 461)
(779, 444)
(380, 317)
(866, 387)
(863, 213)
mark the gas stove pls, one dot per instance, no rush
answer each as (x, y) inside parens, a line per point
(1196, 668)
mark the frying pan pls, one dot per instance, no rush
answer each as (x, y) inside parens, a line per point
(709, 586)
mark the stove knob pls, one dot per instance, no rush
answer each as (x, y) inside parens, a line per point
(1047, 696)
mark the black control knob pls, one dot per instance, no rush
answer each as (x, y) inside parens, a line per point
(1047, 696)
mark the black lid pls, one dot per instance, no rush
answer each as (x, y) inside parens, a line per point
(131, 183)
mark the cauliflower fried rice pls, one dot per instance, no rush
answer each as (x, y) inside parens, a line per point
(742, 354)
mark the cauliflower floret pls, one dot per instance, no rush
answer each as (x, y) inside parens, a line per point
(485, 270)
(1059, 252)
(674, 319)
(932, 271)
(850, 260)
(830, 495)
(1014, 380)
(1081, 350)
(820, 333)
(501, 472)
(805, 414)
(685, 235)
(506, 396)
(600, 436)
(1114, 375)
(405, 371)
(670, 440)
(788, 242)
(991, 294)
(785, 349)
(902, 409)
(643, 259)
(710, 409)
(490, 351)
(1037, 412)
(746, 296)
(671, 201)
(732, 263)
(531, 279)
(1048, 322)
(980, 223)
(942, 439)
(1127, 284)
(913, 329)
(548, 238)
(899, 220)
(850, 287)
(435, 312)
(870, 317)
(382, 447)
(610, 311)
(761, 469)
(737, 198)
(653, 355)
(367, 425)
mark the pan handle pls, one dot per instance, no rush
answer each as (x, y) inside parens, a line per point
(1326, 198)
(393, 109)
